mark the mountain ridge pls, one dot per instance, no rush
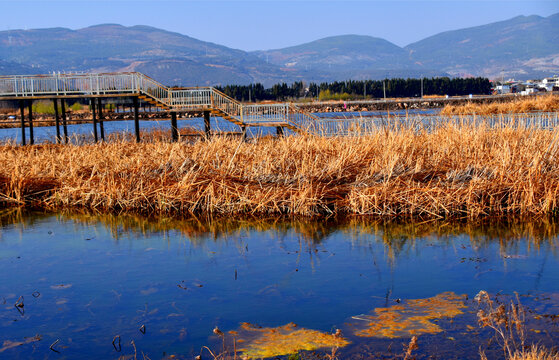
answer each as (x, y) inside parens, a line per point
(523, 46)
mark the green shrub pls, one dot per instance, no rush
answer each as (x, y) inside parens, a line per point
(43, 107)
(76, 106)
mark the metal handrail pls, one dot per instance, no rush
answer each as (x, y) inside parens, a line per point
(137, 83)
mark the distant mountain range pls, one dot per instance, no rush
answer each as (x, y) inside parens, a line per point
(522, 47)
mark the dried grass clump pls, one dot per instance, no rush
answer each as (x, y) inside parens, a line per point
(509, 324)
(535, 353)
(545, 103)
(456, 170)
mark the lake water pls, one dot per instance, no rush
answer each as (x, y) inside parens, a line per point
(48, 133)
(166, 284)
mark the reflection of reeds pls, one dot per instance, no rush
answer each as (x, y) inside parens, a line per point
(545, 103)
(509, 233)
(396, 236)
(455, 170)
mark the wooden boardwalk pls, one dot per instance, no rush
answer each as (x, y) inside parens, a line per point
(27, 88)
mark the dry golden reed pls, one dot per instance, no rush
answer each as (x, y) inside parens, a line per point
(535, 353)
(546, 103)
(455, 170)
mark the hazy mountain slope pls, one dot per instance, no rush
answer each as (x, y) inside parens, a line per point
(7, 67)
(524, 45)
(112, 47)
(345, 52)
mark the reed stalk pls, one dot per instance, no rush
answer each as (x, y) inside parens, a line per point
(453, 170)
(546, 103)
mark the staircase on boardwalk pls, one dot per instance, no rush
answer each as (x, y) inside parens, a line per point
(170, 99)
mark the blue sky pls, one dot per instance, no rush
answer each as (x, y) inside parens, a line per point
(268, 24)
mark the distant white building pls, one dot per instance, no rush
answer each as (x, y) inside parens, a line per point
(529, 91)
(503, 89)
(549, 83)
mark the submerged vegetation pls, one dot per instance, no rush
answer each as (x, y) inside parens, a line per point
(256, 342)
(413, 317)
(454, 170)
(546, 103)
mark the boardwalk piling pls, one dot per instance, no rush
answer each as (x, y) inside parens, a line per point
(100, 113)
(244, 133)
(56, 120)
(22, 110)
(174, 127)
(119, 86)
(207, 127)
(94, 115)
(64, 122)
(136, 119)
(279, 131)
(30, 110)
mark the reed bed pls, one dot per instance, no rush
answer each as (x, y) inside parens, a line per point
(452, 171)
(546, 103)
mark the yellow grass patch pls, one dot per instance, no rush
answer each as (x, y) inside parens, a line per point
(545, 103)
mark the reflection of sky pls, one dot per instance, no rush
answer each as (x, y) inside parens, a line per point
(121, 279)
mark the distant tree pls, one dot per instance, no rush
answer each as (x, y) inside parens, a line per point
(356, 89)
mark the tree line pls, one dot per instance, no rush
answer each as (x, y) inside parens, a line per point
(360, 89)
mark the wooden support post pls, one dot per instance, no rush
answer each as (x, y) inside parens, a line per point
(94, 116)
(22, 110)
(100, 113)
(279, 131)
(56, 120)
(244, 133)
(30, 110)
(174, 127)
(136, 119)
(207, 127)
(64, 123)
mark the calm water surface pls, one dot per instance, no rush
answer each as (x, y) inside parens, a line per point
(86, 279)
(48, 133)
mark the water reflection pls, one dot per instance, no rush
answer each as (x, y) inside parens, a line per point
(100, 275)
(511, 234)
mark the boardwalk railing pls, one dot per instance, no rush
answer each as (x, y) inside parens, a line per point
(67, 84)
(175, 99)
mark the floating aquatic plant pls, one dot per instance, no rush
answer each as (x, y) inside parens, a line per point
(258, 342)
(412, 317)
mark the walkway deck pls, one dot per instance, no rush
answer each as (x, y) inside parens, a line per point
(59, 86)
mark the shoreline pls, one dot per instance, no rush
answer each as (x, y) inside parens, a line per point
(333, 106)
